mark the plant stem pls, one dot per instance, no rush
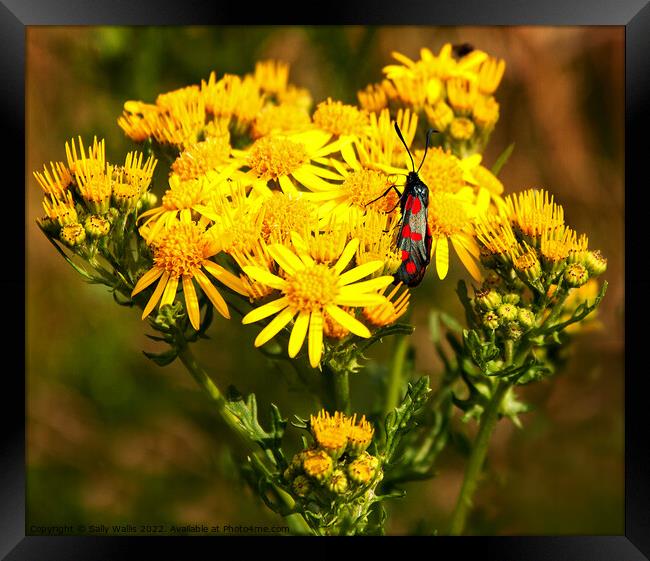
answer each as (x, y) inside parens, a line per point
(476, 460)
(396, 374)
(341, 383)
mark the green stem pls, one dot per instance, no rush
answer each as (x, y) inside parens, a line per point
(341, 383)
(476, 460)
(396, 374)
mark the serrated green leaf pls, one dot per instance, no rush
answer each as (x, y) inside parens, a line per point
(502, 159)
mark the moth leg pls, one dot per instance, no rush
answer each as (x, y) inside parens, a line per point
(386, 193)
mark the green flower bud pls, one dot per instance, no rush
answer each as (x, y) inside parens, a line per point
(301, 486)
(511, 298)
(595, 263)
(512, 331)
(576, 275)
(289, 473)
(50, 226)
(487, 299)
(528, 266)
(338, 483)
(73, 234)
(97, 227)
(147, 200)
(491, 320)
(507, 312)
(526, 318)
(492, 280)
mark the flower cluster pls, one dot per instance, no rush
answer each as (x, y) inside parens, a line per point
(454, 89)
(337, 464)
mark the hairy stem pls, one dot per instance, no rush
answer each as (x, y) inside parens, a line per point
(341, 391)
(476, 460)
(396, 374)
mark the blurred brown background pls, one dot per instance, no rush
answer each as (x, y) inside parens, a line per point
(112, 438)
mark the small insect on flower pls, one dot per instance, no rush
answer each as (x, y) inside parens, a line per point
(414, 238)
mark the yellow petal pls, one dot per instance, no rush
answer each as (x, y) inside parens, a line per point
(273, 328)
(346, 320)
(156, 295)
(311, 181)
(226, 277)
(322, 172)
(467, 260)
(170, 292)
(145, 280)
(315, 343)
(359, 299)
(442, 257)
(371, 285)
(263, 276)
(360, 272)
(191, 302)
(265, 310)
(347, 255)
(288, 260)
(286, 184)
(212, 293)
(298, 333)
(349, 156)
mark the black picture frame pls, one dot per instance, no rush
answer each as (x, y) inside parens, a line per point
(634, 15)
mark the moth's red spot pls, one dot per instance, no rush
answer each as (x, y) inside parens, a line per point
(411, 268)
(416, 237)
(416, 205)
(406, 231)
(409, 203)
(405, 255)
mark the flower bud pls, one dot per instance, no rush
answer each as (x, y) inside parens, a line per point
(147, 200)
(487, 299)
(318, 465)
(338, 483)
(526, 318)
(330, 432)
(507, 312)
(461, 128)
(528, 266)
(363, 469)
(440, 115)
(491, 320)
(125, 196)
(512, 331)
(73, 234)
(97, 227)
(301, 486)
(511, 298)
(576, 275)
(360, 436)
(492, 280)
(595, 263)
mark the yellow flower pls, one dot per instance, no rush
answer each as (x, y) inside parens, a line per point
(255, 256)
(300, 97)
(56, 182)
(284, 214)
(199, 158)
(346, 122)
(60, 208)
(181, 253)
(390, 311)
(532, 213)
(272, 76)
(232, 97)
(310, 289)
(285, 118)
(317, 465)
(373, 98)
(462, 95)
(330, 432)
(490, 74)
(450, 218)
(381, 148)
(281, 158)
(323, 246)
(360, 435)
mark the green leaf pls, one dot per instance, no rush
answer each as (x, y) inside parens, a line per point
(395, 329)
(582, 311)
(502, 159)
(164, 358)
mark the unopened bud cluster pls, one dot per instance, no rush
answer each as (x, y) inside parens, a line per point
(337, 463)
(502, 310)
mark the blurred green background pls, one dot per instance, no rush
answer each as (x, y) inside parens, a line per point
(112, 438)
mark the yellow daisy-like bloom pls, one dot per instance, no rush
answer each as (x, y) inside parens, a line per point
(462, 95)
(294, 95)
(135, 172)
(496, 235)
(317, 464)
(181, 117)
(381, 148)
(281, 158)
(360, 435)
(196, 160)
(490, 74)
(532, 213)
(440, 115)
(255, 256)
(343, 121)
(373, 98)
(450, 218)
(182, 197)
(285, 119)
(232, 96)
(89, 164)
(330, 432)
(139, 120)
(181, 253)
(557, 243)
(322, 247)
(60, 208)
(56, 182)
(272, 76)
(308, 290)
(441, 171)
(376, 233)
(284, 214)
(391, 310)
(485, 112)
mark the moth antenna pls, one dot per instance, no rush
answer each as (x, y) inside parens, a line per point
(399, 133)
(426, 147)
